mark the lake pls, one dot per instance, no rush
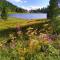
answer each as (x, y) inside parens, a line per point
(29, 15)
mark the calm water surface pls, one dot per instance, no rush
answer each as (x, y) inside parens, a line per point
(30, 15)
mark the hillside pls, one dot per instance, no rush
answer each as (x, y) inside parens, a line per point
(11, 7)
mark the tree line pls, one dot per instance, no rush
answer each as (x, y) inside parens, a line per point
(42, 10)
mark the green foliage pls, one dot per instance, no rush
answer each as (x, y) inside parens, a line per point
(52, 14)
(12, 7)
(8, 54)
(52, 9)
(42, 10)
(21, 48)
(56, 25)
(37, 51)
(4, 13)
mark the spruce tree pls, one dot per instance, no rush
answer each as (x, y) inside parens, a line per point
(4, 11)
(53, 13)
(52, 9)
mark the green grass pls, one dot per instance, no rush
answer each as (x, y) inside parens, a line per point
(21, 51)
(17, 13)
(6, 25)
(12, 22)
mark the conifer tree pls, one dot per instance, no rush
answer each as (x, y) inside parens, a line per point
(53, 13)
(4, 11)
(52, 9)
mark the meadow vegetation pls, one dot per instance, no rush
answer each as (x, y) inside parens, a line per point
(37, 39)
(28, 40)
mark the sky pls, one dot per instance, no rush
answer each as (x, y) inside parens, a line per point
(30, 4)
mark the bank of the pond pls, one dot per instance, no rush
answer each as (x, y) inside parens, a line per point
(10, 25)
(13, 22)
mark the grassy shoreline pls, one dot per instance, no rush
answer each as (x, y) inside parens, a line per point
(12, 22)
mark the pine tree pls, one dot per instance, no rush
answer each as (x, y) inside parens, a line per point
(4, 11)
(4, 14)
(52, 14)
(52, 9)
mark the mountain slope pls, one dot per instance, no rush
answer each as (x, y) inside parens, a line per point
(11, 7)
